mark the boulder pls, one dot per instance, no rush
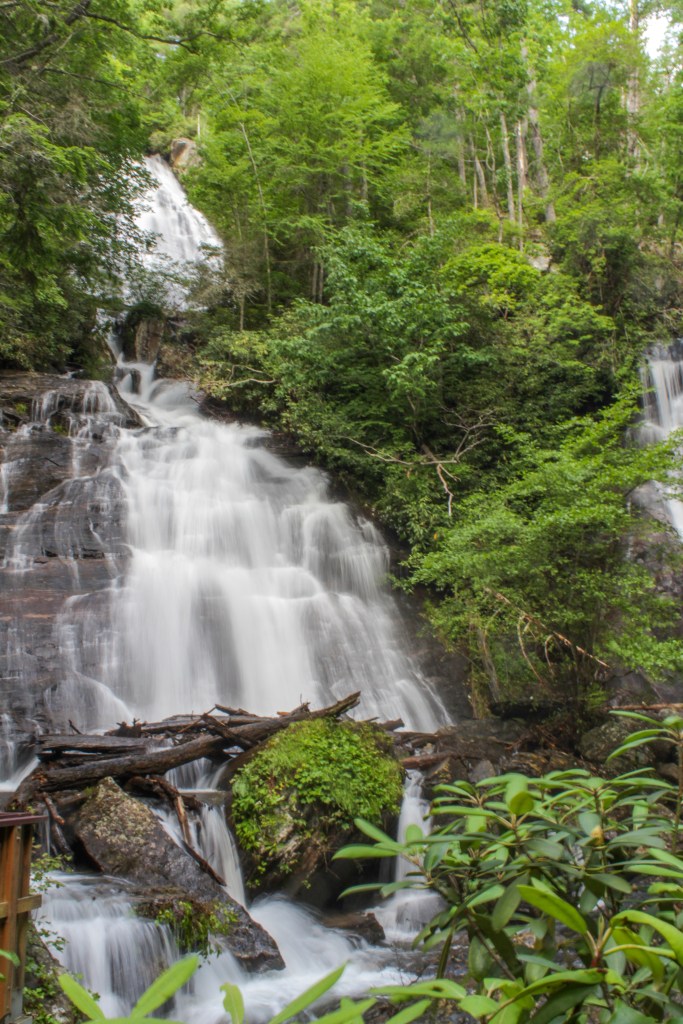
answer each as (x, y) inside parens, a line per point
(598, 743)
(363, 925)
(651, 500)
(630, 688)
(149, 334)
(183, 155)
(121, 836)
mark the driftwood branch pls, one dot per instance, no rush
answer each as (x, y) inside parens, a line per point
(668, 706)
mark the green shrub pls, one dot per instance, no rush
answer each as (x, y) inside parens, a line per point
(568, 887)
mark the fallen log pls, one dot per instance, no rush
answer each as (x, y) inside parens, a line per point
(51, 747)
(152, 759)
(425, 761)
(52, 779)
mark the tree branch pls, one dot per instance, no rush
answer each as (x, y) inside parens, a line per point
(174, 41)
(51, 38)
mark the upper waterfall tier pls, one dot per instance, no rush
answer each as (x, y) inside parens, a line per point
(179, 230)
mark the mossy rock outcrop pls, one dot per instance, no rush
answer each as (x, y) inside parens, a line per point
(294, 803)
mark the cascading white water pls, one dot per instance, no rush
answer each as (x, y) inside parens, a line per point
(408, 910)
(181, 238)
(103, 941)
(180, 231)
(235, 579)
(15, 760)
(663, 406)
(309, 950)
(246, 585)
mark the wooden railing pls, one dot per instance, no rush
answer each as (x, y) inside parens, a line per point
(16, 837)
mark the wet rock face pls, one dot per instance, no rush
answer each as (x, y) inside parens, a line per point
(184, 154)
(61, 526)
(39, 397)
(149, 334)
(123, 837)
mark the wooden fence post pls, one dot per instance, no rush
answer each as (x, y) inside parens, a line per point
(16, 837)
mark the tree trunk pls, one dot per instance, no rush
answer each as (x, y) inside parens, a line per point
(542, 179)
(633, 88)
(480, 177)
(462, 166)
(508, 168)
(264, 214)
(522, 173)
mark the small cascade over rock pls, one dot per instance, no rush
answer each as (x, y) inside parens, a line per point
(115, 952)
(409, 909)
(662, 378)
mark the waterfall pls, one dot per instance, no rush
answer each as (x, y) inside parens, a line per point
(662, 378)
(407, 911)
(98, 937)
(180, 231)
(190, 566)
(180, 238)
(246, 584)
(15, 757)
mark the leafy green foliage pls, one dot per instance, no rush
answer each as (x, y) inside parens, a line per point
(547, 876)
(535, 574)
(313, 777)
(70, 126)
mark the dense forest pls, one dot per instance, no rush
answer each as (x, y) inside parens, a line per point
(451, 229)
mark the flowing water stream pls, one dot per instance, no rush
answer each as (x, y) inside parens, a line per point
(663, 409)
(230, 576)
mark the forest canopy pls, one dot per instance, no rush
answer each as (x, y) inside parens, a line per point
(452, 230)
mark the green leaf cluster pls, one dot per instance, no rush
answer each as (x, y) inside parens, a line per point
(567, 888)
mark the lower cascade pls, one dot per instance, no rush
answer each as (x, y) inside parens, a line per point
(99, 937)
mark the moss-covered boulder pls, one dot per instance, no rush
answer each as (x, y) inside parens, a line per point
(295, 801)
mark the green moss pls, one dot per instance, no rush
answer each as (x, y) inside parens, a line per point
(193, 925)
(44, 1000)
(309, 782)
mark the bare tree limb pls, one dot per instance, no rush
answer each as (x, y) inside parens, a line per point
(565, 641)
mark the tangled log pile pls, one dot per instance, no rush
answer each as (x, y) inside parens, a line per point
(91, 785)
(224, 735)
